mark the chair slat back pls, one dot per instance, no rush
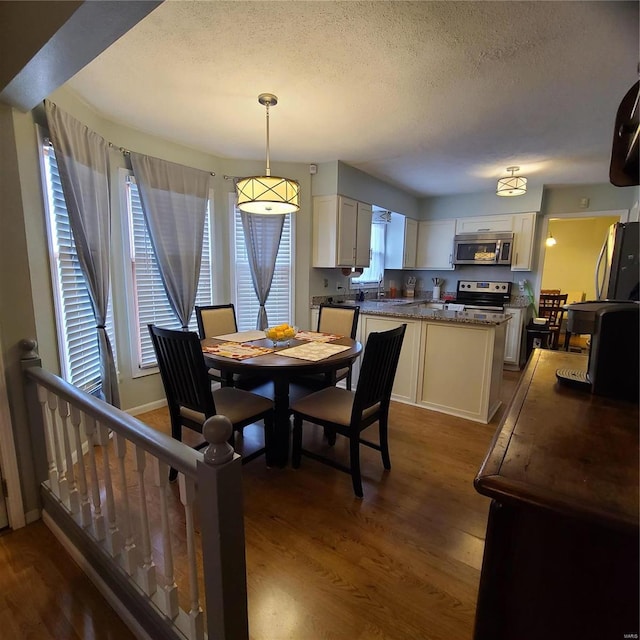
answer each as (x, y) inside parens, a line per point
(182, 369)
(552, 307)
(339, 319)
(378, 370)
(216, 320)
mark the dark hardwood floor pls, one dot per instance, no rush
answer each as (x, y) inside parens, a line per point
(403, 563)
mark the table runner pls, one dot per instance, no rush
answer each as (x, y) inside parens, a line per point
(313, 351)
(236, 351)
(316, 336)
(241, 336)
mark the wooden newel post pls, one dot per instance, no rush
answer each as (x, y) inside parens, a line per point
(222, 525)
(37, 428)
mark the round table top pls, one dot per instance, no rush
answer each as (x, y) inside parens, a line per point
(274, 363)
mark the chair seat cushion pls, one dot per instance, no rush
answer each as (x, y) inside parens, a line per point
(332, 404)
(235, 404)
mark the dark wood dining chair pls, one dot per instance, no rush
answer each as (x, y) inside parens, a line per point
(189, 395)
(348, 413)
(341, 320)
(217, 320)
(551, 306)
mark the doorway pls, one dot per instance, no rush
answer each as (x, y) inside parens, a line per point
(569, 263)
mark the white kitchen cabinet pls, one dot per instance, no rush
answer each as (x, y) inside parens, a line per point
(401, 242)
(513, 339)
(404, 386)
(524, 229)
(461, 369)
(481, 224)
(341, 232)
(435, 244)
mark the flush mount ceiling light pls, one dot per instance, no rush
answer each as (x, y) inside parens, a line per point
(267, 194)
(512, 185)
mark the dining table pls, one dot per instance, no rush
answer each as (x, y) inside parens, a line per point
(279, 363)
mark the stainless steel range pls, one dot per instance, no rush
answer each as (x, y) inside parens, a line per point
(490, 296)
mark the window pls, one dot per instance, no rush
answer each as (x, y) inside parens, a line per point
(77, 337)
(371, 275)
(280, 301)
(149, 302)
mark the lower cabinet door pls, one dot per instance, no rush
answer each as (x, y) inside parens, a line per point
(514, 336)
(405, 385)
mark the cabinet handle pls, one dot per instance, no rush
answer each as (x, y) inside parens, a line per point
(450, 258)
(485, 229)
(516, 257)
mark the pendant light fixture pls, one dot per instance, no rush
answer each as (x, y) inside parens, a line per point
(267, 194)
(550, 241)
(512, 185)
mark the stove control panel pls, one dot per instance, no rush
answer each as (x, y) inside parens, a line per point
(484, 287)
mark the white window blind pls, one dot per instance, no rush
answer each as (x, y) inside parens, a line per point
(279, 303)
(372, 273)
(77, 336)
(151, 304)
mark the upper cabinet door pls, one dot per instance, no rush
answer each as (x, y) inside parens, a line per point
(481, 224)
(524, 228)
(347, 231)
(435, 245)
(410, 243)
(401, 242)
(363, 235)
(341, 232)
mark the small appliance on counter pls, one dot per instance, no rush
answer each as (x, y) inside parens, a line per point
(614, 362)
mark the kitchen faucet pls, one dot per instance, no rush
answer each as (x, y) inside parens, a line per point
(380, 290)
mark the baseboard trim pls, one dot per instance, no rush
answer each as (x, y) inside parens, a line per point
(143, 408)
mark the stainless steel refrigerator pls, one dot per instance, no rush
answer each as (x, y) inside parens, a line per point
(618, 269)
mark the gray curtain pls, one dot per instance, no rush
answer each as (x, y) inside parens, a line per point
(262, 238)
(83, 162)
(174, 203)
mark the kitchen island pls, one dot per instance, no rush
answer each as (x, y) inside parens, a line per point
(451, 361)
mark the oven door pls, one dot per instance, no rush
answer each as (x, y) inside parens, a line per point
(490, 249)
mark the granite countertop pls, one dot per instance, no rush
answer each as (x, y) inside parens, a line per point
(418, 310)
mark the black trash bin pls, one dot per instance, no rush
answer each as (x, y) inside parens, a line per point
(538, 336)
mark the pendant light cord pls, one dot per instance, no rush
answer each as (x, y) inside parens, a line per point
(268, 166)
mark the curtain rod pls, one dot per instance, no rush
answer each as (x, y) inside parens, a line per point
(122, 150)
(126, 152)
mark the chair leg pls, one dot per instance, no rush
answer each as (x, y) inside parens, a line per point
(268, 433)
(176, 434)
(296, 445)
(354, 452)
(330, 435)
(348, 381)
(384, 442)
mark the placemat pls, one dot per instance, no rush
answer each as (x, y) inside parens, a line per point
(316, 336)
(241, 336)
(313, 351)
(236, 351)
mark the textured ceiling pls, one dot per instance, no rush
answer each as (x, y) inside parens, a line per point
(434, 97)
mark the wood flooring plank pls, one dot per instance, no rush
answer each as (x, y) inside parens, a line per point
(402, 563)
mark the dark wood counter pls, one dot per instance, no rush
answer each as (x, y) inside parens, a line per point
(561, 552)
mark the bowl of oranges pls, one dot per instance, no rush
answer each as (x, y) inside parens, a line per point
(280, 334)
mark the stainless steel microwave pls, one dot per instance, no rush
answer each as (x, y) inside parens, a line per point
(483, 248)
